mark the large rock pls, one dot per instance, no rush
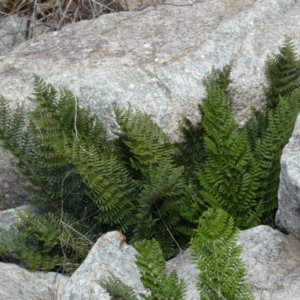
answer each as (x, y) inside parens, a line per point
(110, 255)
(11, 184)
(288, 213)
(272, 262)
(19, 284)
(155, 58)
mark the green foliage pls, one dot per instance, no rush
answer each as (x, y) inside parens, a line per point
(117, 289)
(52, 178)
(58, 188)
(214, 251)
(219, 78)
(47, 241)
(159, 186)
(283, 74)
(140, 183)
(242, 166)
(190, 151)
(269, 131)
(229, 178)
(268, 150)
(154, 276)
(85, 183)
(136, 184)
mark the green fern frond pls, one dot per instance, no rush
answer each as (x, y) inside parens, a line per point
(269, 148)
(117, 289)
(283, 73)
(190, 151)
(219, 78)
(215, 253)
(229, 177)
(159, 183)
(147, 143)
(151, 263)
(60, 236)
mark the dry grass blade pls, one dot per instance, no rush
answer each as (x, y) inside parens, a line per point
(56, 13)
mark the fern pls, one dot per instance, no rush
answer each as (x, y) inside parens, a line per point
(48, 241)
(82, 180)
(283, 73)
(268, 151)
(229, 178)
(117, 289)
(269, 131)
(190, 152)
(159, 183)
(214, 251)
(154, 275)
(219, 78)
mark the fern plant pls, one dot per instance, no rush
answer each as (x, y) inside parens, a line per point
(55, 183)
(283, 73)
(268, 150)
(85, 183)
(154, 277)
(152, 265)
(213, 250)
(117, 289)
(269, 130)
(229, 178)
(137, 185)
(242, 166)
(158, 182)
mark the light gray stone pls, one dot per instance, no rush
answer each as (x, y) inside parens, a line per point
(19, 284)
(288, 213)
(110, 255)
(272, 262)
(11, 184)
(9, 218)
(159, 64)
(156, 58)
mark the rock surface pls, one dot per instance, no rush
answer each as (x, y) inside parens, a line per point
(19, 284)
(272, 261)
(110, 255)
(11, 184)
(155, 58)
(288, 213)
(159, 64)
